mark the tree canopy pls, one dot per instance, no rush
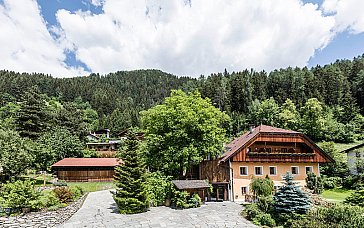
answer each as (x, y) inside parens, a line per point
(182, 131)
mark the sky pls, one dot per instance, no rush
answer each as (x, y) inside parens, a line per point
(67, 38)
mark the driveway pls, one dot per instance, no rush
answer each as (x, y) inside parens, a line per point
(99, 210)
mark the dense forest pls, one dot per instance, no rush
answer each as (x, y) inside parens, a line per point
(325, 102)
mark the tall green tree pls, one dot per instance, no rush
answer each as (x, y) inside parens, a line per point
(182, 131)
(32, 118)
(130, 179)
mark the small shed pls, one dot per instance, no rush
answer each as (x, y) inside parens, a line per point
(193, 186)
(85, 169)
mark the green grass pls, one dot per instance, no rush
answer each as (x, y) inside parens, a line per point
(336, 194)
(343, 146)
(92, 186)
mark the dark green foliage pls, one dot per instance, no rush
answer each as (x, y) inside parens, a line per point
(253, 213)
(64, 194)
(262, 187)
(333, 216)
(290, 198)
(357, 197)
(180, 199)
(314, 183)
(264, 219)
(19, 194)
(32, 118)
(332, 182)
(265, 203)
(159, 188)
(130, 179)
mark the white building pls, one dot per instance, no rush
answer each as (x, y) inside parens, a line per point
(356, 159)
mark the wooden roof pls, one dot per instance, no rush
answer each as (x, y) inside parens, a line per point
(235, 146)
(87, 162)
(190, 184)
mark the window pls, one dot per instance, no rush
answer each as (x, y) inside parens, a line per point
(294, 170)
(244, 190)
(272, 170)
(243, 170)
(258, 170)
(284, 150)
(309, 169)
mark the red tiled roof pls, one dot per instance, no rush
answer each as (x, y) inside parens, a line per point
(239, 142)
(86, 162)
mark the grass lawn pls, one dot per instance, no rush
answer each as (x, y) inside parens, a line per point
(336, 194)
(92, 186)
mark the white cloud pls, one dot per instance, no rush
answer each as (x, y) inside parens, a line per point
(198, 38)
(348, 14)
(26, 45)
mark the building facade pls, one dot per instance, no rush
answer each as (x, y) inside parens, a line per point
(262, 151)
(356, 159)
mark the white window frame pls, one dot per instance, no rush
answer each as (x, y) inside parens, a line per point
(255, 171)
(247, 171)
(275, 168)
(310, 167)
(298, 170)
(247, 190)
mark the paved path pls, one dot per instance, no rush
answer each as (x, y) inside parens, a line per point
(99, 210)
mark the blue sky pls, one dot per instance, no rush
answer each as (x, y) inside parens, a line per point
(77, 37)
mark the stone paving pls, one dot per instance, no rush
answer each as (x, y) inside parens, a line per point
(99, 210)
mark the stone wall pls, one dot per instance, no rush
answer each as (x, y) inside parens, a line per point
(43, 219)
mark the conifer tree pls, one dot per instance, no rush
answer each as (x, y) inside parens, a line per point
(130, 179)
(290, 198)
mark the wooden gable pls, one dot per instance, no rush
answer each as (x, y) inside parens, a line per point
(273, 147)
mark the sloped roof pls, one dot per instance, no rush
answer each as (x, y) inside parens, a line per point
(86, 162)
(241, 141)
(190, 184)
(354, 148)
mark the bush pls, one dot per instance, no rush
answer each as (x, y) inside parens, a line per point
(352, 182)
(265, 203)
(159, 188)
(262, 187)
(334, 216)
(356, 198)
(332, 182)
(264, 219)
(77, 192)
(64, 194)
(314, 183)
(251, 211)
(49, 199)
(194, 201)
(20, 194)
(180, 199)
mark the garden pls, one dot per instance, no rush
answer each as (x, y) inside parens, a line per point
(293, 206)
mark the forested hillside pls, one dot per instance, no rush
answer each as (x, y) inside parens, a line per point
(326, 102)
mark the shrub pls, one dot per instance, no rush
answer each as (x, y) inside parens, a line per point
(64, 194)
(265, 203)
(264, 219)
(314, 183)
(158, 188)
(262, 187)
(194, 201)
(333, 216)
(356, 198)
(20, 194)
(77, 192)
(352, 182)
(180, 199)
(251, 211)
(49, 199)
(332, 182)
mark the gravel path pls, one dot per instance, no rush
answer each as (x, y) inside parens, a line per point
(99, 210)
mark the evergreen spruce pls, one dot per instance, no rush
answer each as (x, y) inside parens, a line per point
(130, 179)
(32, 118)
(290, 198)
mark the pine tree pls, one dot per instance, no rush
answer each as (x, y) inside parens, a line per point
(290, 198)
(130, 179)
(32, 118)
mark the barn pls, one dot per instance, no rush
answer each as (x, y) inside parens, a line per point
(85, 169)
